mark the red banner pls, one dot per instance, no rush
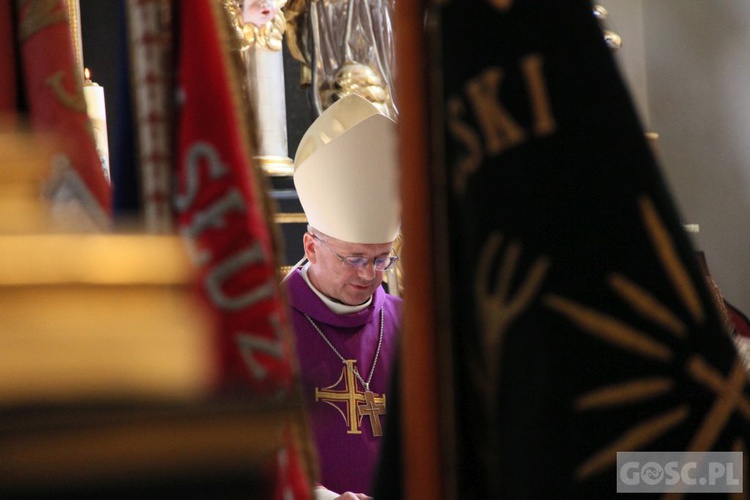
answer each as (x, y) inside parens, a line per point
(220, 212)
(54, 89)
(7, 60)
(220, 204)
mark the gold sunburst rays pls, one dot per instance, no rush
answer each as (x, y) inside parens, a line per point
(646, 304)
(497, 308)
(627, 392)
(667, 253)
(624, 394)
(710, 378)
(608, 328)
(729, 396)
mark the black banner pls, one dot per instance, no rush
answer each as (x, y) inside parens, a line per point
(581, 324)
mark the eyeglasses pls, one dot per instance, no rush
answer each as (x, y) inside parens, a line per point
(378, 263)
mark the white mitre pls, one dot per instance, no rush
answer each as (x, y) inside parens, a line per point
(346, 173)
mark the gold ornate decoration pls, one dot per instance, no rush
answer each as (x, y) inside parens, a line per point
(278, 166)
(260, 50)
(38, 15)
(614, 41)
(360, 79)
(600, 12)
(290, 218)
(271, 34)
(345, 47)
(233, 8)
(394, 276)
(74, 18)
(295, 16)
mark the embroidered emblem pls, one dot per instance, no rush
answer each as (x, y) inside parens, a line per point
(352, 403)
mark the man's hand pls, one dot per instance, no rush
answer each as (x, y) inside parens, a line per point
(322, 493)
(353, 496)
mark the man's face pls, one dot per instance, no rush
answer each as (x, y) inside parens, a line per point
(337, 280)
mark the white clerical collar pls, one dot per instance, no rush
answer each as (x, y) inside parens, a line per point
(336, 307)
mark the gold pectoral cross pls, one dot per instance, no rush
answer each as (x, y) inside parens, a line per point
(356, 403)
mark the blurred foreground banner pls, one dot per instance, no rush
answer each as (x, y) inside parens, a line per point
(224, 216)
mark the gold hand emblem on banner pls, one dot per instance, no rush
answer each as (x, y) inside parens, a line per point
(71, 100)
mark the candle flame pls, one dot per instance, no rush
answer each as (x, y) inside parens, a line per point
(86, 74)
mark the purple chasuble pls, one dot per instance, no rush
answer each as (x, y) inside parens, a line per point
(347, 449)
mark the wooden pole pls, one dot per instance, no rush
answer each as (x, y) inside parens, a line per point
(419, 354)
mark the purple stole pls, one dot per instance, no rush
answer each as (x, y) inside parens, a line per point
(346, 444)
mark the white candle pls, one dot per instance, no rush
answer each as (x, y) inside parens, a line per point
(95, 108)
